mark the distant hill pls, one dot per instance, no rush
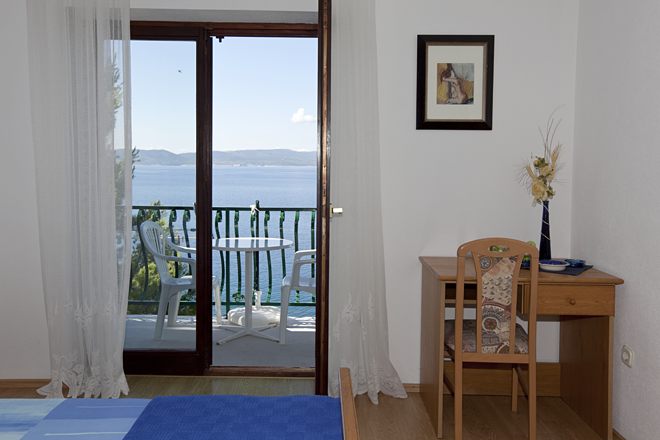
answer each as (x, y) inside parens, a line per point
(240, 157)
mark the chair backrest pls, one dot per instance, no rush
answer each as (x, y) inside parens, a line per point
(496, 268)
(300, 259)
(153, 238)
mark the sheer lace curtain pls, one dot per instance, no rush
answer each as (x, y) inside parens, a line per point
(79, 65)
(358, 315)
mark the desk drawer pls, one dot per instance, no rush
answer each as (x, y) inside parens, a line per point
(557, 299)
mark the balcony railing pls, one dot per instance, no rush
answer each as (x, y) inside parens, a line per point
(296, 224)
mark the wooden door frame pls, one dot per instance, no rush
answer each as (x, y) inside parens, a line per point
(199, 361)
(322, 197)
(186, 361)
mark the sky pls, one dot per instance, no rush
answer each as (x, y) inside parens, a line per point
(264, 94)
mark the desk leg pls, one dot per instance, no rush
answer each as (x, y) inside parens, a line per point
(586, 358)
(432, 347)
(441, 357)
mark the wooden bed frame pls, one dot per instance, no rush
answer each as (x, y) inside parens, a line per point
(348, 412)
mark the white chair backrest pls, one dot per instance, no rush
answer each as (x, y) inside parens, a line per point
(300, 259)
(153, 238)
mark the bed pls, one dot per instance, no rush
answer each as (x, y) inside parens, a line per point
(217, 417)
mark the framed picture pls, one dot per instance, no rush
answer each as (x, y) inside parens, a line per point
(455, 82)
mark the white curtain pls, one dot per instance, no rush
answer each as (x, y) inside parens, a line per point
(358, 314)
(79, 76)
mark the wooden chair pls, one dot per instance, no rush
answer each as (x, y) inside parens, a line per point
(488, 338)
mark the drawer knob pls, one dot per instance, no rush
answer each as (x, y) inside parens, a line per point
(571, 301)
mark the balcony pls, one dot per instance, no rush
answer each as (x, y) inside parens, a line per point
(293, 223)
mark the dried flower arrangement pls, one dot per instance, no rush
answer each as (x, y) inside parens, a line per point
(538, 175)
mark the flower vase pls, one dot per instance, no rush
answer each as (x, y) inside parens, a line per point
(544, 248)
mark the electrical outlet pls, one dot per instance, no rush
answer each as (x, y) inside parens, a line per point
(627, 356)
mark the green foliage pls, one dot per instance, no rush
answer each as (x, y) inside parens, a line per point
(145, 281)
(148, 275)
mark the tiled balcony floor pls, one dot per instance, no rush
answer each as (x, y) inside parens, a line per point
(244, 351)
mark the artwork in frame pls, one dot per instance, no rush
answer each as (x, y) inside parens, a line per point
(455, 82)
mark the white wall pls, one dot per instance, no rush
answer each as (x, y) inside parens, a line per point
(256, 11)
(229, 5)
(23, 335)
(442, 188)
(616, 207)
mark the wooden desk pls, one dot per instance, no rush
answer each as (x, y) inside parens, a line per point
(585, 305)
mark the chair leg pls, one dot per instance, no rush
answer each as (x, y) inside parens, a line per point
(173, 311)
(218, 304)
(458, 400)
(162, 307)
(284, 312)
(514, 389)
(532, 400)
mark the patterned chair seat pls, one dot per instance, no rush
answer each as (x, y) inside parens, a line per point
(491, 343)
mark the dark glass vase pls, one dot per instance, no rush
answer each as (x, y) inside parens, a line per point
(544, 248)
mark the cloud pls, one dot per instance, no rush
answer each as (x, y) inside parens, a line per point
(299, 117)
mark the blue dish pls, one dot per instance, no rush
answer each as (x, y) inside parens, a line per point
(554, 262)
(575, 262)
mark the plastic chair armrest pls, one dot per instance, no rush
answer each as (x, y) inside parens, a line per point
(302, 262)
(299, 255)
(182, 249)
(190, 261)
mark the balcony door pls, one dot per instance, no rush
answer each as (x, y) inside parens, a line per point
(167, 320)
(265, 177)
(177, 187)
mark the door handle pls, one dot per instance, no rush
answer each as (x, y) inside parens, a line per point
(335, 211)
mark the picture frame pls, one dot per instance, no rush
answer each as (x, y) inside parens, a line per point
(455, 82)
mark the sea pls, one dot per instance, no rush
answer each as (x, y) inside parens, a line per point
(240, 186)
(280, 186)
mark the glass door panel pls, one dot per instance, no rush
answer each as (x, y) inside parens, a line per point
(162, 298)
(264, 186)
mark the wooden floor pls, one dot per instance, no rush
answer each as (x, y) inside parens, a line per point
(486, 417)
(152, 386)
(148, 387)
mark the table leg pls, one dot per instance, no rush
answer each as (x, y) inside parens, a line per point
(247, 328)
(586, 359)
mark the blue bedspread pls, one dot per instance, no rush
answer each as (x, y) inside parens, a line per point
(180, 418)
(239, 418)
(17, 416)
(88, 419)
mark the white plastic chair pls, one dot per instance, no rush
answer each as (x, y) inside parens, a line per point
(296, 282)
(171, 288)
